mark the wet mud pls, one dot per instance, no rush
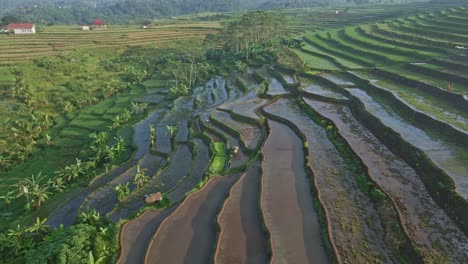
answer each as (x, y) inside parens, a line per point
(351, 214)
(287, 202)
(189, 234)
(242, 239)
(435, 235)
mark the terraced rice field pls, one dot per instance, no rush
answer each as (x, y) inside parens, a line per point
(58, 39)
(363, 160)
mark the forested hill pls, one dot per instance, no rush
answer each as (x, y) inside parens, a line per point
(115, 11)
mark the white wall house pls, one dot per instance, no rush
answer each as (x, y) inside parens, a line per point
(22, 28)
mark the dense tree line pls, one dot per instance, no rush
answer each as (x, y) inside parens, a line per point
(252, 33)
(119, 11)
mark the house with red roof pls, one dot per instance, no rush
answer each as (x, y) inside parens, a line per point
(22, 28)
(98, 25)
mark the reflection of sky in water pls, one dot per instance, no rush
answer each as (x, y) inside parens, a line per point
(441, 152)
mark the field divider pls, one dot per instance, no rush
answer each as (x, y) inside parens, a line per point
(441, 187)
(457, 100)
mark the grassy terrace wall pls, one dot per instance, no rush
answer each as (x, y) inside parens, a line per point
(327, 83)
(275, 73)
(449, 65)
(394, 32)
(440, 185)
(232, 132)
(351, 36)
(407, 252)
(422, 119)
(372, 58)
(323, 56)
(429, 33)
(457, 100)
(393, 40)
(434, 73)
(320, 44)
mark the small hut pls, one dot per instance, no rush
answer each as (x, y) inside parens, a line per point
(154, 197)
(99, 25)
(85, 26)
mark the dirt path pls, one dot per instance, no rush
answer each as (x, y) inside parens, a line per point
(286, 200)
(352, 217)
(136, 235)
(189, 234)
(437, 238)
(242, 239)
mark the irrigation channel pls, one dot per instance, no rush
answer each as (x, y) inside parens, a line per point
(309, 183)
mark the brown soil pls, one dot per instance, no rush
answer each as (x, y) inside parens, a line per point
(242, 239)
(189, 234)
(286, 200)
(352, 217)
(136, 235)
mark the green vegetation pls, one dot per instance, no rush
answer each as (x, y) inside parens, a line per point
(218, 163)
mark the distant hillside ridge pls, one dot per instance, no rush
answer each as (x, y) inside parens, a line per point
(136, 11)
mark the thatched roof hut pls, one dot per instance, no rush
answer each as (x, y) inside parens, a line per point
(154, 197)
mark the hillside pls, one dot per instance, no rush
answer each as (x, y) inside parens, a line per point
(115, 11)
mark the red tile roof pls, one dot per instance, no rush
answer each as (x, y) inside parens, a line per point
(20, 25)
(98, 22)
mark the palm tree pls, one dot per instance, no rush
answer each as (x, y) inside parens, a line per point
(140, 178)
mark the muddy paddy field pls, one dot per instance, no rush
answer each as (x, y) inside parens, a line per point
(332, 166)
(308, 183)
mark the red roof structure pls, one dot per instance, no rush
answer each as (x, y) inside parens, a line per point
(20, 26)
(98, 22)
